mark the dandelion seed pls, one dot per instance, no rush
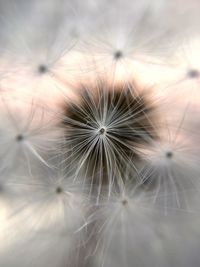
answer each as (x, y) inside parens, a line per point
(187, 71)
(137, 36)
(105, 127)
(171, 171)
(51, 203)
(35, 60)
(48, 212)
(25, 138)
(123, 225)
(123, 168)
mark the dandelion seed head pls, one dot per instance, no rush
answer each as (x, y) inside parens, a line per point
(105, 126)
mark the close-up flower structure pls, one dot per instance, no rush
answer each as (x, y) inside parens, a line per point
(99, 133)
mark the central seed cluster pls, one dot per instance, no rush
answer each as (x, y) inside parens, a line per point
(102, 131)
(105, 128)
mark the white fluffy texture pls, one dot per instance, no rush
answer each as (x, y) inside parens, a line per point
(129, 231)
(46, 218)
(42, 224)
(172, 168)
(28, 134)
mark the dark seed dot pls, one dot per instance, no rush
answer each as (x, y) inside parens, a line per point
(19, 137)
(102, 131)
(118, 54)
(193, 73)
(169, 154)
(124, 202)
(42, 69)
(59, 190)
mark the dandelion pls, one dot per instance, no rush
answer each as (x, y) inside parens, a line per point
(99, 133)
(171, 170)
(25, 138)
(48, 213)
(105, 127)
(136, 39)
(126, 228)
(33, 60)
